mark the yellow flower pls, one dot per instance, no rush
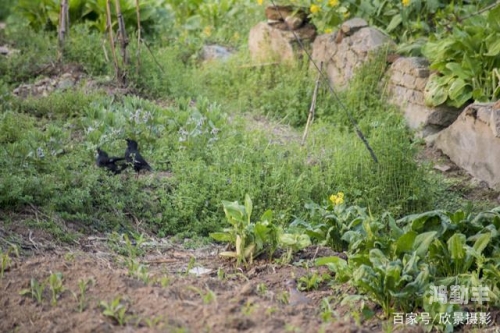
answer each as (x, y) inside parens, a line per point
(333, 3)
(328, 31)
(207, 31)
(337, 199)
(260, 2)
(315, 9)
(406, 3)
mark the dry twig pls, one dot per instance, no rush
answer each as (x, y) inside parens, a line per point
(310, 117)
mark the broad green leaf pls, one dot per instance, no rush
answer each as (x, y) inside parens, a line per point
(396, 20)
(248, 206)
(405, 242)
(493, 48)
(422, 242)
(456, 245)
(434, 94)
(221, 236)
(330, 260)
(482, 242)
(378, 259)
(457, 70)
(457, 88)
(267, 216)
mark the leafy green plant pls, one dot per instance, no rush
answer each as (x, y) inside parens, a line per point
(250, 239)
(164, 281)
(137, 270)
(45, 13)
(115, 310)
(55, 283)
(466, 62)
(293, 242)
(83, 284)
(207, 296)
(5, 259)
(310, 281)
(35, 291)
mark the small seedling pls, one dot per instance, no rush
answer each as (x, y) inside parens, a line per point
(283, 297)
(82, 286)
(326, 310)
(134, 250)
(164, 281)
(221, 274)
(208, 296)
(270, 311)
(152, 322)
(310, 281)
(5, 260)
(248, 308)
(35, 291)
(137, 270)
(115, 310)
(261, 288)
(56, 286)
(70, 257)
(191, 264)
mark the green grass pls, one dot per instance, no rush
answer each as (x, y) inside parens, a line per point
(212, 149)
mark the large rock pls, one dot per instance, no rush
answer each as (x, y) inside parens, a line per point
(341, 52)
(473, 142)
(407, 80)
(267, 42)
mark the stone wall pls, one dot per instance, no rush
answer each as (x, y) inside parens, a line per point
(473, 142)
(276, 39)
(471, 137)
(341, 52)
(407, 80)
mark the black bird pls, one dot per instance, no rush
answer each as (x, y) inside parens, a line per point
(133, 157)
(104, 161)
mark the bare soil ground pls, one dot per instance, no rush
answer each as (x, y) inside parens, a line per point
(225, 299)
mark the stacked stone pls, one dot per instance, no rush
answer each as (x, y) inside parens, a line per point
(277, 37)
(346, 49)
(408, 78)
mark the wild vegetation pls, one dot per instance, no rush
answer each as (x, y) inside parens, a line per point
(403, 230)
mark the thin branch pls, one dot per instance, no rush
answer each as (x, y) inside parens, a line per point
(154, 58)
(460, 19)
(310, 117)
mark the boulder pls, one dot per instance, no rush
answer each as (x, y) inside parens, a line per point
(407, 80)
(268, 42)
(215, 52)
(473, 142)
(341, 52)
(280, 13)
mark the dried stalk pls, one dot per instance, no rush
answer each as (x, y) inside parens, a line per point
(63, 24)
(112, 40)
(122, 36)
(138, 52)
(310, 117)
